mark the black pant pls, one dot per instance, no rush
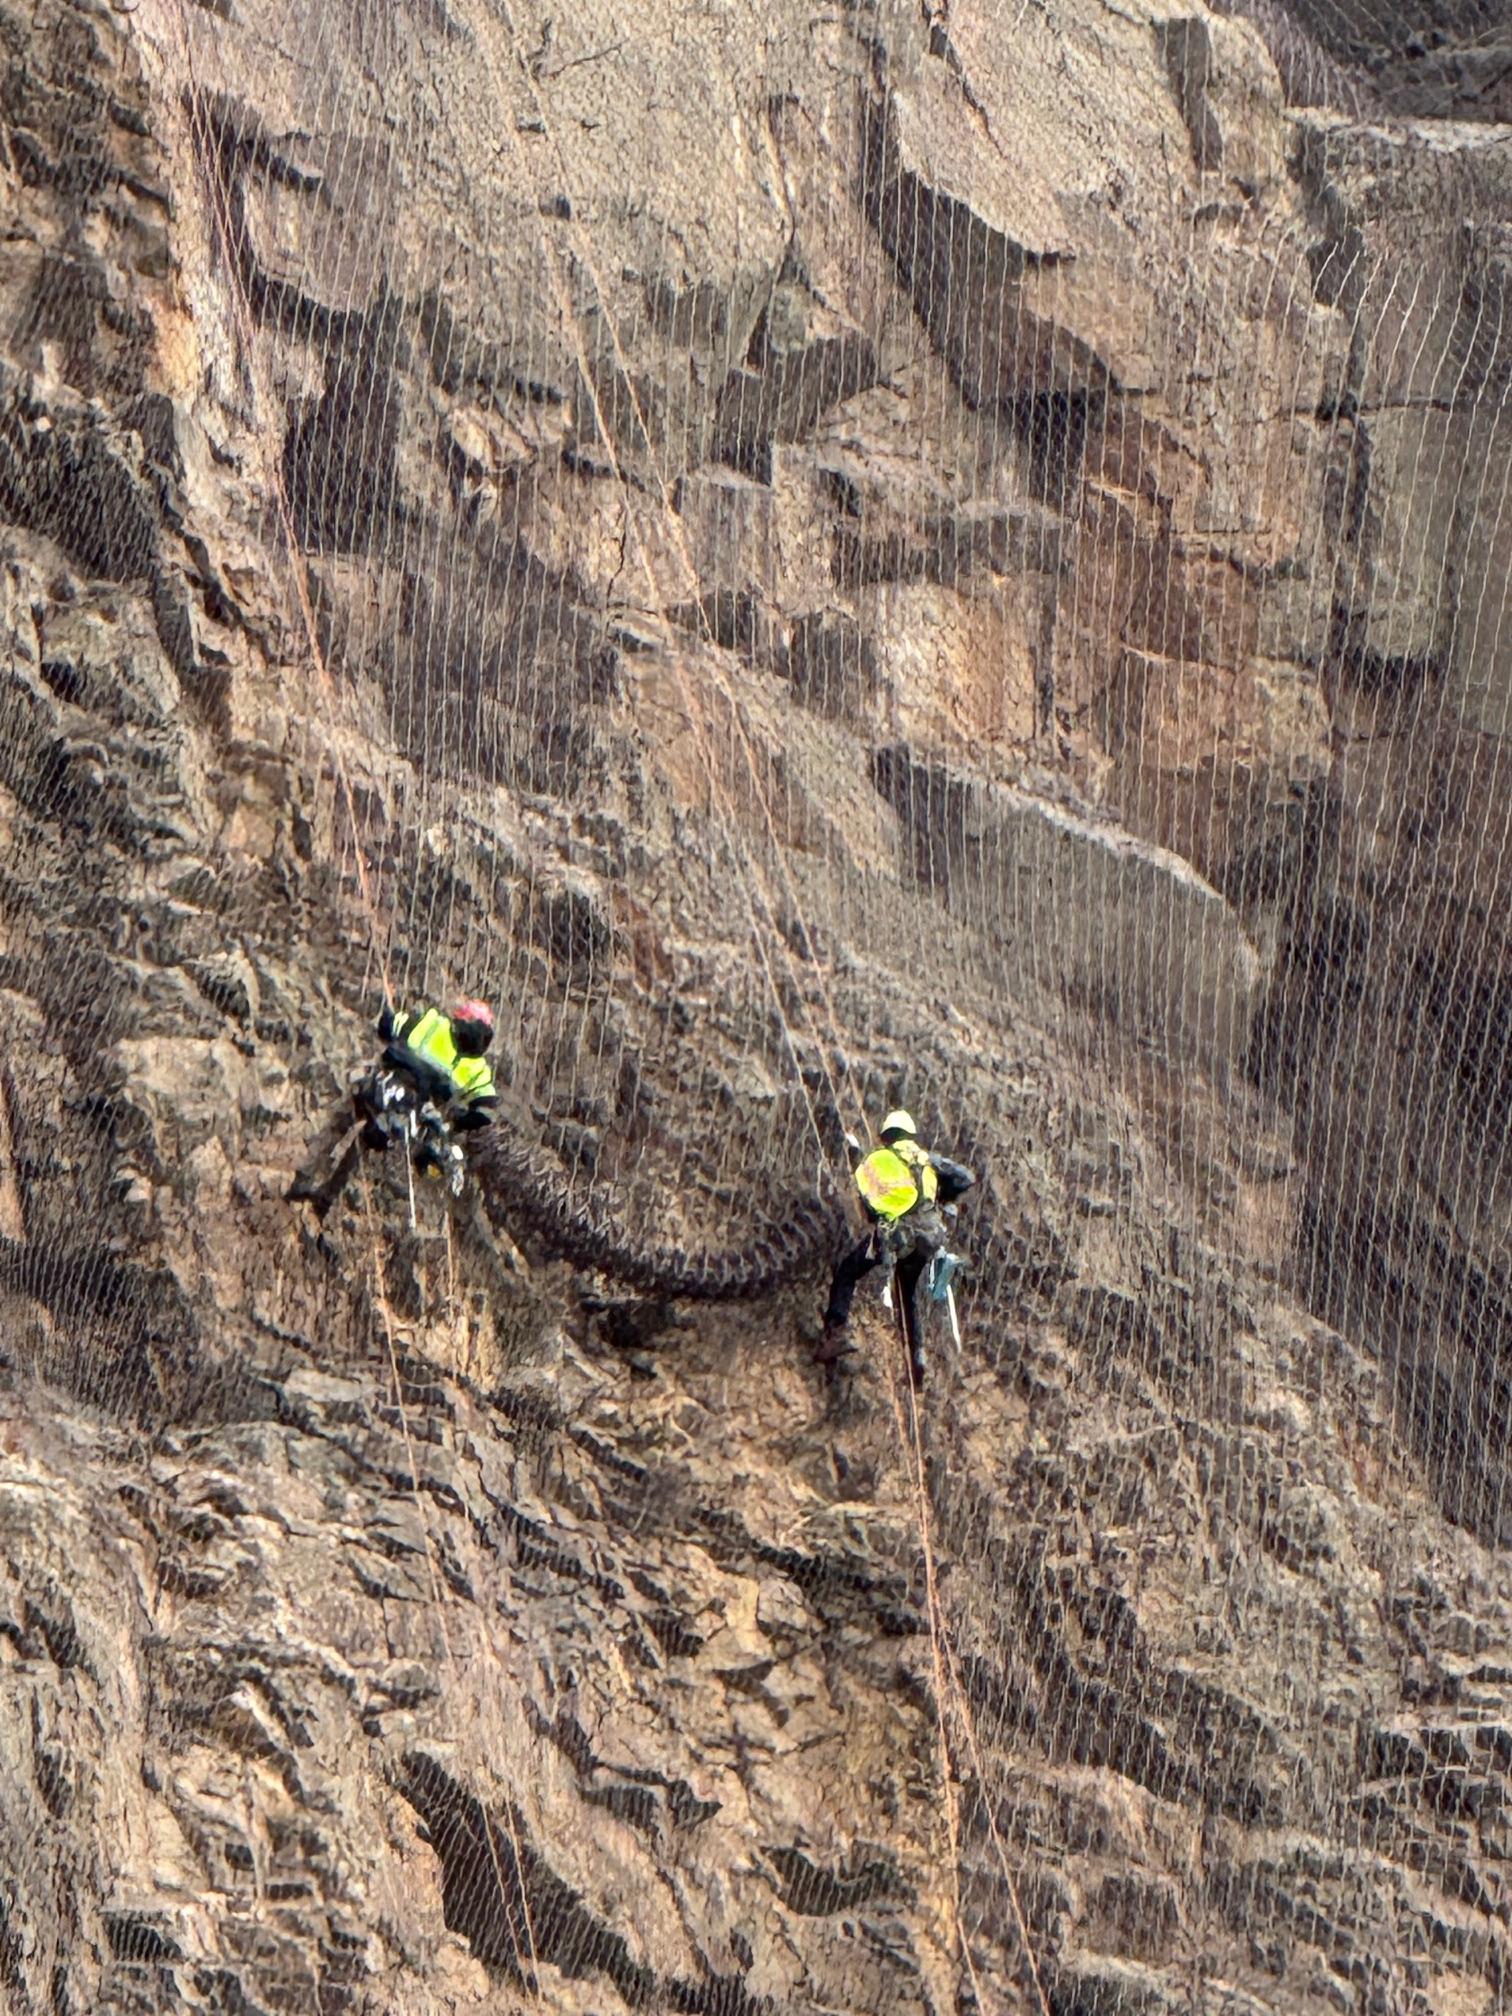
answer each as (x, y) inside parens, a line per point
(912, 1241)
(911, 1271)
(848, 1276)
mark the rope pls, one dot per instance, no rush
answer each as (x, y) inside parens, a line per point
(695, 713)
(381, 1296)
(947, 1679)
(209, 148)
(948, 1682)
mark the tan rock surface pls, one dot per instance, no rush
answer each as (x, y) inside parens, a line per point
(818, 559)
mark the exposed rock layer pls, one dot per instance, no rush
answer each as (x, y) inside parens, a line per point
(819, 559)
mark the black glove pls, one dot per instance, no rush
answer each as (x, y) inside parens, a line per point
(954, 1178)
(386, 1022)
(471, 1118)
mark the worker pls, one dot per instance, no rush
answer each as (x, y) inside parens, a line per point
(444, 1056)
(441, 1060)
(903, 1187)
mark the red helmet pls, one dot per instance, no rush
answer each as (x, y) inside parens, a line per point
(472, 1027)
(474, 1011)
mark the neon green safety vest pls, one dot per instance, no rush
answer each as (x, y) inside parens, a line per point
(892, 1180)
(431, 1037)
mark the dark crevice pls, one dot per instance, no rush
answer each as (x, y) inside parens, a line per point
(137, 1940)
(813, 1892)
(502, 1896)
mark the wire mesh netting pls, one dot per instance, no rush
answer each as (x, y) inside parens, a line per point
(818, 560)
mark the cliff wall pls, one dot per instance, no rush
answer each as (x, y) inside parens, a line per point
(818, 559)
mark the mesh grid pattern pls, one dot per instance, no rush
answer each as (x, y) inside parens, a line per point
(819, 560)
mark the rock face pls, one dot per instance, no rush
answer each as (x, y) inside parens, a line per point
(951, 556)
(1444, 59)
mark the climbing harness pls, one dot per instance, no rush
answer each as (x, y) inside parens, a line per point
(939, 1280)
(394, 1110)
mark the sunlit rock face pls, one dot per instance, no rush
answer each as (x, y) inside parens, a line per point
(817, 560)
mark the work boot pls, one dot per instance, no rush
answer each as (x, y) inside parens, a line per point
(834, 1344)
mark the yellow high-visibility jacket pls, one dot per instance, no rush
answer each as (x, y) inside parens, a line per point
(429, 1035)
(894, 1179)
